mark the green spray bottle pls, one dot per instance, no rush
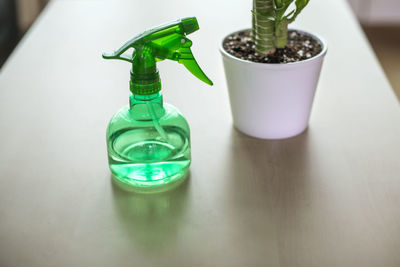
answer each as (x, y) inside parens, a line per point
(148, 141)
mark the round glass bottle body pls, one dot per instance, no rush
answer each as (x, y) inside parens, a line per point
(148, 143)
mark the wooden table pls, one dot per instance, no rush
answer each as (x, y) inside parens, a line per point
(328, 197)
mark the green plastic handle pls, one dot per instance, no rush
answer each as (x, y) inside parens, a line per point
(166, 41)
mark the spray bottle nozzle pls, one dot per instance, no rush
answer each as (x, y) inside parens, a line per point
(167, 41)
(190, 25)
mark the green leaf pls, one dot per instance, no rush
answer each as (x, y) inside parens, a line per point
(280, 12)
(278, 3)
(300, 4)
(282, 3)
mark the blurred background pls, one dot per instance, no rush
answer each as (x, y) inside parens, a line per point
(16, 17)
(380, 20)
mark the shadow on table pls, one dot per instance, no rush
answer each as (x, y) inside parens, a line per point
(273, 192)
(151, 220)
(270, 173)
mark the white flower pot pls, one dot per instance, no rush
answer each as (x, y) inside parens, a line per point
(272, 101)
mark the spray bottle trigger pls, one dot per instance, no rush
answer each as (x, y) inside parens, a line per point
(192, 66)
(187, 59)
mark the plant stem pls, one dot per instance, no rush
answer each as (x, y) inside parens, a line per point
(270, 23)
(263, 26)
(281, 34)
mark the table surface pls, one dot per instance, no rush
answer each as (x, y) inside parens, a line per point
(328, 197)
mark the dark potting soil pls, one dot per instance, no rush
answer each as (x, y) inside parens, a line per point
(299, 47)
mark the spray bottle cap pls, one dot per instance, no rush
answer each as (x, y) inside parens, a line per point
(167, 41)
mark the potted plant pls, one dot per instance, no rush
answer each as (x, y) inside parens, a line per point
(272, 72)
